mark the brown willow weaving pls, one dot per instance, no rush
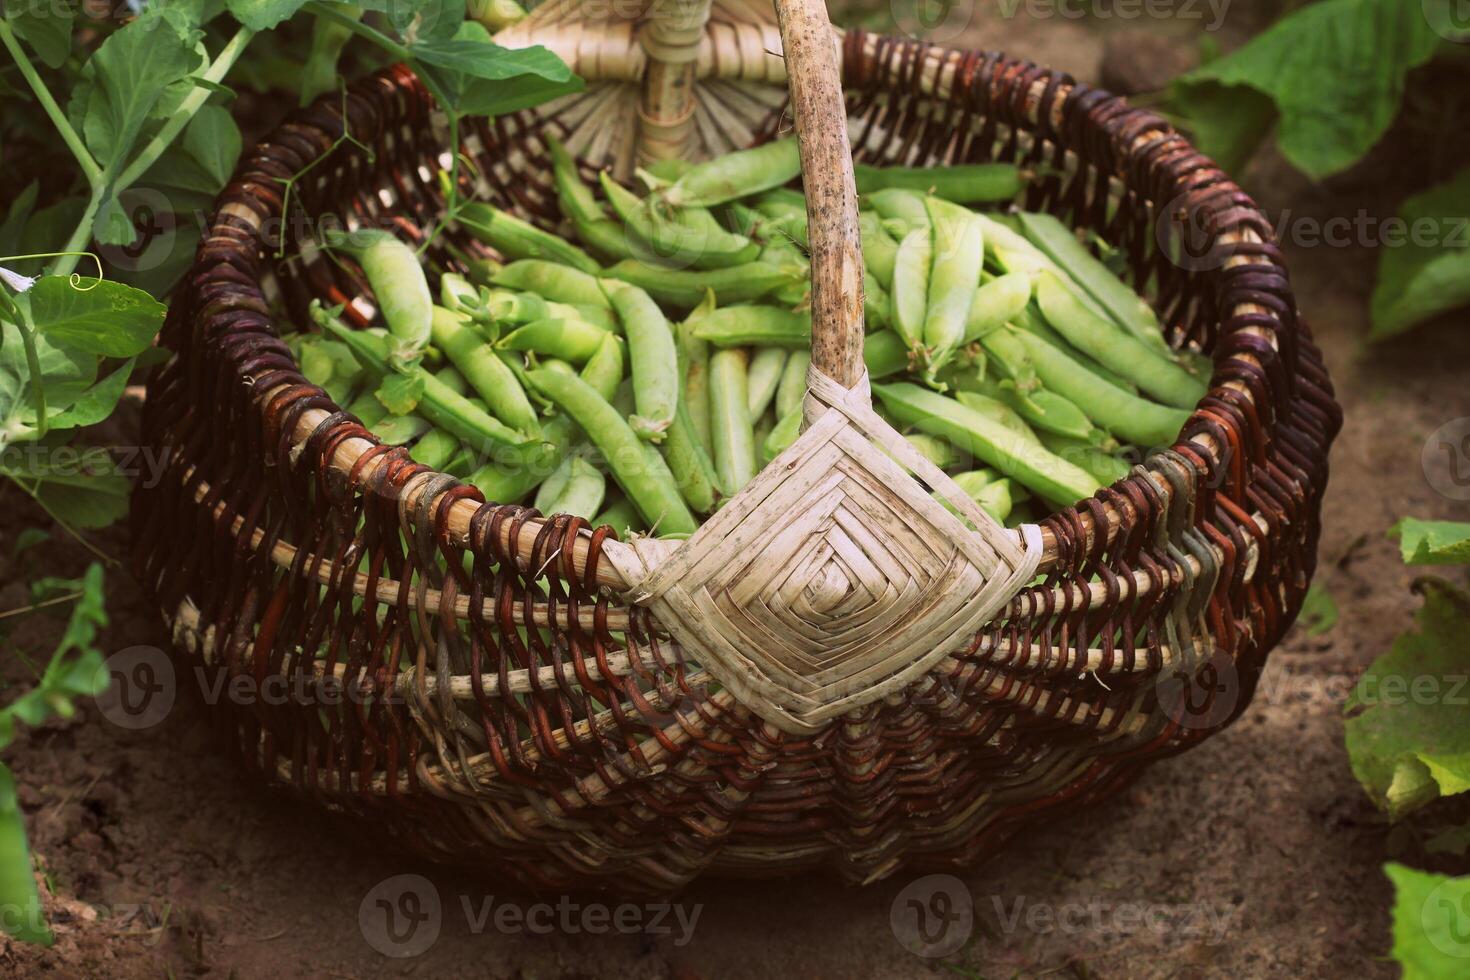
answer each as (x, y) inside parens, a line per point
(471, 677)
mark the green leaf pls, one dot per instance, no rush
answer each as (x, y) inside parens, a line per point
(25, 918)
(485, 59)
(213, 140)
(487, 98)
(1431, 923)
(65, 374)
(96, 316)
(262, 15)
(29, 538)
(1406, 734)
(95, 405)
(128, 75)
(1319, 611)
(14, 224)
(1427, 273)
(415, 20)
(1433, 542)
(46, 26)
(400, 393)
(1335, 71)
(96, 501)
(1227, 122)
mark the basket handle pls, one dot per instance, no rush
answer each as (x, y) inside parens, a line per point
(831, 192)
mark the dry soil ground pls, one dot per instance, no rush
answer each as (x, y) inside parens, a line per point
(1254, 855)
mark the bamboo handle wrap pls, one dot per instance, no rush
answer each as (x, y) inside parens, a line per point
(831, 192)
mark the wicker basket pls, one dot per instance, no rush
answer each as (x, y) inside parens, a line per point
(837, 677)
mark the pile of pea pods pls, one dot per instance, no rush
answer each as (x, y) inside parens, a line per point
(641, 369)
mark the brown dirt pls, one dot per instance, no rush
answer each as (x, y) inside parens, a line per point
(1254, 855)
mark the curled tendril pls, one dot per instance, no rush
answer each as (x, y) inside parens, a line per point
(75, 279)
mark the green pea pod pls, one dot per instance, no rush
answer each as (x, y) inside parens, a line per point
(570, 340)
(1031, 320)
(1135, 419)
(1116, 350)
(1042, 409)
(576, 199)
(1024, 460)
(791, 392)
(662, 173)
(399, 430)
(694, 369)
(575, 487)
(737, 174)
(763, 377)
(604, 369)
(880, 251)
(877, 304)
(884, 354)
(962, 183)
(508, 481)
(745, 326)
(367, 409)
(903, 206)
(621, 516)
(1124, 306)
(653, 356)
(911, 287)
(732, 430)
(997, 411)
(644, 477)
(519, 239)
(399, 286)
(1011, 359)
(936, 450)
(439, 404)
(1105, 466)
(492, 379)
(552, 281)
(997, 303)
(693, 470)
(684, 236)
(436, 450)
(598, 316)
(685, 288)
(954, 277)
(782, 436)
(511, 307)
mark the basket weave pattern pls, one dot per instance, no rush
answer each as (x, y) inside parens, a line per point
(524, 716)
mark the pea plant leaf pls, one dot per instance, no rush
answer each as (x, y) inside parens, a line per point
(213, 141)
(1428, 273)
(1319, 611)
(76, 669)
(417, 20)
(1334, 71)
(96, 316)
(1406, 735)
(124, 81)
(474, 72)
(1433, 542)
(1431, 923)
(46, 27)
(263, 15)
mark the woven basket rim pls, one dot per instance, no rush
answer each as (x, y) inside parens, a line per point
(1149, 137)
